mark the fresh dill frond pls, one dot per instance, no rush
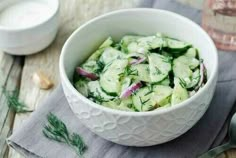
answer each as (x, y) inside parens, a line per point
(56, 130)
(182, 83)
(150, 90)
(13, 101)
(129, 71)
(100, 67)
(143, 102)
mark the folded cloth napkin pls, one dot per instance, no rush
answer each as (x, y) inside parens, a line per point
(207, 133)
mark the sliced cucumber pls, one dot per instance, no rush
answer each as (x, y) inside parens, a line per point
(119, 105)
(96, 93)
(126, 40)
(146, 42)
(82, 87)
(110, 79)
(159, 66)
(189, 61)
(132, 47)
(194, 80)
(128, 103)
(158, 42)
(181, 70)
(191, 52)
(179, 94)
(162, 94)
(165, 82)
(177, 45)
(151, 42)
(142, 72)
(126, 82)
(108, 42)
(143, 99)
(91, 66)
(111, 54)
(166, 54)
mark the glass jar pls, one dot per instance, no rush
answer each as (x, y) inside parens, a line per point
(219, 20)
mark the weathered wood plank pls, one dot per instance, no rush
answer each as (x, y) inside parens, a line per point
(6, 62)
(5, 68)
(12, 83)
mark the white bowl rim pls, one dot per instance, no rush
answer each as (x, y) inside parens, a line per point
(161, 110)
(53, 14)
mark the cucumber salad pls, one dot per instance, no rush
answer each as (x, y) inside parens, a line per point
(141, 73)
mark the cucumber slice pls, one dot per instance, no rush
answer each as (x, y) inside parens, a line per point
(125, 83)
(119, 105)
(191, 52)
(144, 44)
(129, 39)
(181, 70)
(96, 93)
(82, 87)
(110, 54)
(177, 45)
(108, 42)
(165, 82)
(151, 42)
(166, 54)
(128, 103)
(110, 79)
(162, 94)
(143, 99)
(179, 94)
(132, 47)
(159, 66)
(195, 79)
(189, 61)
(142, 72)
(90, 66)
(126, 40)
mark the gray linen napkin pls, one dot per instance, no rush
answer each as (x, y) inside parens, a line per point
(207, 133)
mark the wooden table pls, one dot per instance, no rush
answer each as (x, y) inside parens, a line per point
(16, 72)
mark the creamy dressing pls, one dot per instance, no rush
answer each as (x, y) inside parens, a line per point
(24, 14)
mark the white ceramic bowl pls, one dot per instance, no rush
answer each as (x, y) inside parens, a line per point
(32, 39)
(137, 128)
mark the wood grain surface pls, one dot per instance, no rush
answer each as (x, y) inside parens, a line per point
(17, 71)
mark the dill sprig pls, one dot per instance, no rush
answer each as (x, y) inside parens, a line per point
(100, 67)
(182, 83)
(13, 101)
(56, 130)
(129, 71)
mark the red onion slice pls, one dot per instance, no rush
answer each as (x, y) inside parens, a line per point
(137, 61)
(85, 73)
(128, 91)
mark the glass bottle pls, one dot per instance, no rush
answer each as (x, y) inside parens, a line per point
(219, 20)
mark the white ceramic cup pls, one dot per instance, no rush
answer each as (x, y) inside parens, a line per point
(137, 128)
(32, 39)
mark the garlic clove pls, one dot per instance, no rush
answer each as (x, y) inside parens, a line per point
(42, 81)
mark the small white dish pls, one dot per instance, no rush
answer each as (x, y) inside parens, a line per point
(24, 39)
